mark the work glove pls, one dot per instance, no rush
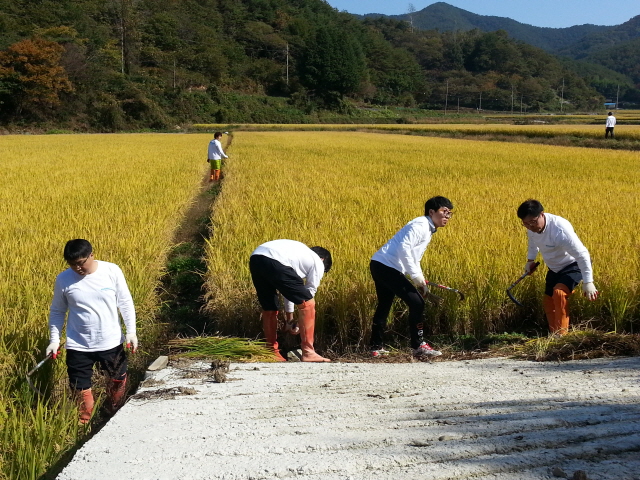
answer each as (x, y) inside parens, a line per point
(52, 350)
(530, 267)
(423, 288)
(590, 291)
(132, 342)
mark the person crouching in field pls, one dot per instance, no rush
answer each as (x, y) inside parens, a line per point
(294, 270)
(215, 156)
(396, 272)
(566, 257)
(92, 292)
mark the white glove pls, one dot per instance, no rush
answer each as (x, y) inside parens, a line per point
(423, 288)
(132, 341)
(530, 267)
(52, 350)
(590, 291)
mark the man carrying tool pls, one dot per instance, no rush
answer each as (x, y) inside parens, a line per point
(294, 270)
(215, 155)
(565, 255)
(92, 292)
(396, 272)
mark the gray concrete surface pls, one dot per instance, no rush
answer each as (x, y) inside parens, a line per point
(483, 419)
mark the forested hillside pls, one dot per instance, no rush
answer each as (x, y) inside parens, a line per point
(122, 64)
(446, 18)
(607, 57)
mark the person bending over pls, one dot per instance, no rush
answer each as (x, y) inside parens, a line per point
(294, 270)
(396, 272)
(564, 254)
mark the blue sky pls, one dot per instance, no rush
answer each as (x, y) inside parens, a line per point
(541, 13)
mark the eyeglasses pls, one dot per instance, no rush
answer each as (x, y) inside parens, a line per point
(446, 213)
(79, 263)
(531, 223)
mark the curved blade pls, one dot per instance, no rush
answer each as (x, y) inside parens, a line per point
(513, 299)
(32, 371)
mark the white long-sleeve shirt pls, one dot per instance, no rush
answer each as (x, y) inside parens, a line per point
(304, 261)
(93, 301)
(215, 150)
(405, 250)
(559, 246)
(611, 121)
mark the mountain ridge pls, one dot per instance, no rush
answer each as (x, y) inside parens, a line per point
(445, 17)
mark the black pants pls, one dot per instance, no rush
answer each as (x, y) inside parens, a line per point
(607, 131)
(80, 364)
(570, 276)
(391, 283)
(270, 277)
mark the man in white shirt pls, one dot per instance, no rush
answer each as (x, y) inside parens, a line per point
(215, 154)
(396, 272)
(92, 292)
(610, 124)
(294, 270)
(566, 257)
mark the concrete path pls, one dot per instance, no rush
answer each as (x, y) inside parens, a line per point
(484, 419)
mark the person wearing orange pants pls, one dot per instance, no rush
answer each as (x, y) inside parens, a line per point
(566, 257)
(294, 270)
(90, 294)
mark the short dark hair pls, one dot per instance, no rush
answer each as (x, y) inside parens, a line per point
(78, 248)
(217, 134)
(610, 113)
(325, 256)
(436, 203)
(530, 208)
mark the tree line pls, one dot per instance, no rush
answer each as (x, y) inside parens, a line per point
(121, 64)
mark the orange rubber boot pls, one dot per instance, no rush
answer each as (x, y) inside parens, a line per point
(307, 325)
(212, 176)
(85, 405)
(560, 301)
(116, 393)
(270, 327)
(549, 310)
(216, 175)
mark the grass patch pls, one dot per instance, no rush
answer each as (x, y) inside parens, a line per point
(580, 345)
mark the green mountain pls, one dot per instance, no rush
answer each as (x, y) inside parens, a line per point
(595, 42)
(444, 17)
(109, 65)
(608, 58)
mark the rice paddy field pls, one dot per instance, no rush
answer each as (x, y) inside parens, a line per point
(346, 191)
(124, 193)
(350, 192)
(629, 132)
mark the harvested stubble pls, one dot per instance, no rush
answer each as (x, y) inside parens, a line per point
(221, 347)
(124, 193)
(580, 344)
(350, 192)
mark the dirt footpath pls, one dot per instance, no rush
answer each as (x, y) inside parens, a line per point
(482, 419)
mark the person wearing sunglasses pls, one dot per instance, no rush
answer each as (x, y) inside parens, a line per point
(92, 292)
(396, 272)
(567, 259)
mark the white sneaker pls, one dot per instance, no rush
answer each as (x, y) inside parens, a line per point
(379, 352)
(425, 350)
